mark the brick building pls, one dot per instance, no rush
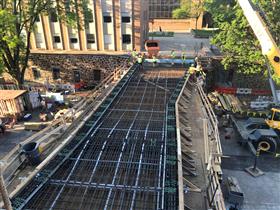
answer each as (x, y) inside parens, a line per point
(114, 25)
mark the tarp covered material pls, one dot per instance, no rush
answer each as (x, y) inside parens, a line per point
(180, 61)
(10, 94)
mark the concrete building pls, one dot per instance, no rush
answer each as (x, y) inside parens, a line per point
(159, 9)
(114, 25)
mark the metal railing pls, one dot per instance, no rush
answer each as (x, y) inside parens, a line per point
(213, 154)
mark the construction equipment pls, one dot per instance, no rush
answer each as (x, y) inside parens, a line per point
(268, 45)
(274, 119)
(152, 47)
(258, 132)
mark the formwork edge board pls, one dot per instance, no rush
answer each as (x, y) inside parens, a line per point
(179, 151)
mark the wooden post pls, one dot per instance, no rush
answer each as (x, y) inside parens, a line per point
(4, 192)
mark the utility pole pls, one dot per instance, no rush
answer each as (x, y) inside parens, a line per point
(4, 192)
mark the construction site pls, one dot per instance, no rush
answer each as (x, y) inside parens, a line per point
(166, 127)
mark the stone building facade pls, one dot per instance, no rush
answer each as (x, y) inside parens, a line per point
(72, 69)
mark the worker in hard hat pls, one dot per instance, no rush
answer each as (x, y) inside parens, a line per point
(154, 60)
(173, 56)
(140, 60)
(134, 55)
(199, 71)
(191, 72)
(184, 58)
(192, 69)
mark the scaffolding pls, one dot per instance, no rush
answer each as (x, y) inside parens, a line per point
(124, 157)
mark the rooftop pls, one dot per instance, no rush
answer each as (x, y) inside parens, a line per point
(10, 94)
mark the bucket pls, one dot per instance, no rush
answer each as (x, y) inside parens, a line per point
(32, 153)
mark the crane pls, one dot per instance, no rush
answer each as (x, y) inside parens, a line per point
(269, 49)
(268, 45)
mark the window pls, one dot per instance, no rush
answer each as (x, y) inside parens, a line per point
(90, 17)
(73, 40)
(36, 73)
(97, 75)
(77, 76)
(56, 39)
(126, 38)
(107, 19)
(108, 38)
(125, 19)
(56, 73)
(39, 38)
(37, 19)
(90, 39)
(53, 15)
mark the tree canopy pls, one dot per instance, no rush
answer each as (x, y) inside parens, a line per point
(235, 37)
(189, 9)
(17, 22)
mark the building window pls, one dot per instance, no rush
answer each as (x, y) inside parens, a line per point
(56, 73)
(53, 15)
(107, 19)
(108, 39)
(90, 39)
(39, 38)
(126, 38)
(125, 19)
(97, 75)
(37, 19)
(73, 40)
(90, 17)
(36, 73)
(56, 39)
(77, 76)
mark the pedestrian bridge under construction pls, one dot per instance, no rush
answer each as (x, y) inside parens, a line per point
(126, 155)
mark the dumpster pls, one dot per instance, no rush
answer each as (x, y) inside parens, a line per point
(32, 153)
(233, 192)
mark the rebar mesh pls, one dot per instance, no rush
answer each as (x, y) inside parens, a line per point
(120, 163)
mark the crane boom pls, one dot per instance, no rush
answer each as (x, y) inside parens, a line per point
(268, 45)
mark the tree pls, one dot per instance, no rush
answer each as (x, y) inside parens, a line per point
(189, 9)
(197, 8)
(235, 38)
(17, 22)
(271, 14)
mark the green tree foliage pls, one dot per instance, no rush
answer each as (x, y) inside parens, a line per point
(236, 39)
(180, 13)
(189, 9)
(271, 14)
(17, 22)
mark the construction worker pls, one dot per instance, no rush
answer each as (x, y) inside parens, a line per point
(140, 60)
(195, 61)
(192, 71)
(184, 58)
(173, 56)
(154, 60)
(199, 71)
(134, 55)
